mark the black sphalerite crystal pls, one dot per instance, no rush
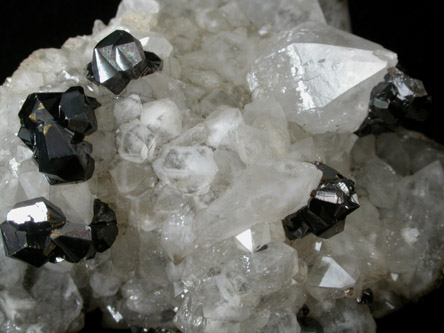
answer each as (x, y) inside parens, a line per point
(118, 59)
(27, 228)
(397, 101)
(75, 241)
(36, 231)
(104, 226)
(53, 127)
(327, 208)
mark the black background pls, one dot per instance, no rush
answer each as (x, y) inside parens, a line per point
(408, 29)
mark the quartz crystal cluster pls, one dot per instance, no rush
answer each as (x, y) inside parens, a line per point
(231, 169)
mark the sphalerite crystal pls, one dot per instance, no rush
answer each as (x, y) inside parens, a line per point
(393, 102)
(202, 162)
(120, 58)
(327, 208)
(36, 231)
(53, 126)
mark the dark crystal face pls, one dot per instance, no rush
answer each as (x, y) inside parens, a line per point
(327, 208)
(104, 226)
(53, 127)
(396, 101)
(118, 59)
(75, 241)
(39, 215)
(36, 231)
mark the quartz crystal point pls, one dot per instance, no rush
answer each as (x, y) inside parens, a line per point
(327, 208)
(315, 90)
(393, 102)
(36, 231)
(118, 59)
(53, 127)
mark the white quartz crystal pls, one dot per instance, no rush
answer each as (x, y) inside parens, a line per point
(189, 169)
(315, 90)
(201, 162)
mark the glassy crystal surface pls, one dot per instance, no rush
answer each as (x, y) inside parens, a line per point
(120, 58)
(201, 162)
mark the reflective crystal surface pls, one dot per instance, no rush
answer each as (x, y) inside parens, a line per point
(36, 231)
(120, 58)
(395, 101)
(75, 241)
(201, 162)
(327, 208)
(103, 226)
(53, 127)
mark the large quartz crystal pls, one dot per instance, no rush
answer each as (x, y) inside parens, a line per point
(225, 223)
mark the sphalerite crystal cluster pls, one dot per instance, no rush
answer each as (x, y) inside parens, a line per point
(260, 176)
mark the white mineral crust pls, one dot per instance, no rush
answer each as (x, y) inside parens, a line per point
(203, 160)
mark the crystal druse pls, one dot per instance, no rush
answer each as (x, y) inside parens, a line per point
(232, 139)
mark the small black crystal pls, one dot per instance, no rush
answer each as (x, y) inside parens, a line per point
(27, 228)
(36, 231)
(399, 100)
(34, 248)
(118, 59)
(103, 226)
(366, 297)
(75, 241)
(53, 127)
(327, 208)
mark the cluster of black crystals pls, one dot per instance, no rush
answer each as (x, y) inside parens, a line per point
(398, 101)
(53, 126)
(36, 231)
(120, 58)
(325, 213)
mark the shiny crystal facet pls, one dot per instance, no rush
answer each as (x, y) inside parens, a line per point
(53, 127)
(327, 208)
(120, 58)
(397, 100)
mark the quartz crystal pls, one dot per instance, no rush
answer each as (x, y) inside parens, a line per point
(224, 196)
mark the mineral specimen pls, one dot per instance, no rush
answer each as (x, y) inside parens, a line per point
(202, 162)
(53, 126)
(36, 231)
(392, 102)
(118, 59)
(327, 208)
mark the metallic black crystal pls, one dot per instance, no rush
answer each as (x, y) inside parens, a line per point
(75, 241)
(327, 208)
(118, 59)
(399, 100)
(36, 231)
(53, 127)
(103, 226)
(27, 228)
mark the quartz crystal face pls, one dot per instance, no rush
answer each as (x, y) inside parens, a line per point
(327, 208)
(120, 58)
(205, 211)
(53, 127)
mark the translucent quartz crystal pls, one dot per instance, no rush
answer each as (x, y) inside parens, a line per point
(202, 161)
(189, 169)
(314, 90)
